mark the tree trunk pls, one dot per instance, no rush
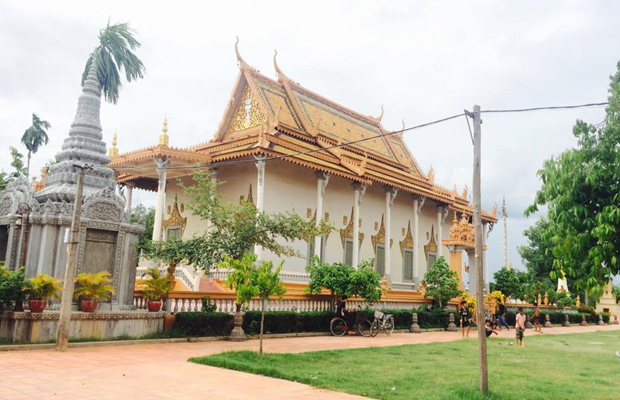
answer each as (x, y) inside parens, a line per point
(28, 164)
(262, 324)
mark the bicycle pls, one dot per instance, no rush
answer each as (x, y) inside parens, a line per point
(338, 326)
(382, 321)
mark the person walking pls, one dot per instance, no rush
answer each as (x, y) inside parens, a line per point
(501, 312)
(520, 327)
(465, 317)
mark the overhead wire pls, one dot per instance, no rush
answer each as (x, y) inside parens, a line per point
(466, 113)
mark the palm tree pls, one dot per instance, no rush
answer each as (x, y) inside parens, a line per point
(34, 137)
(114, 54)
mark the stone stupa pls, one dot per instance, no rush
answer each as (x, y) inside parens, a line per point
(34, 225)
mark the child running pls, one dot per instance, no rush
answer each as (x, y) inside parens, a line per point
(520, 327)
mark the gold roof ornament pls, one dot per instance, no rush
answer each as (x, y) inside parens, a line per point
(407, 242)
(379, 238)
(240, 60)
(347, 232)
(163, 138)
(431, 247)
(431, 175)
(281, 76)
(113, 151)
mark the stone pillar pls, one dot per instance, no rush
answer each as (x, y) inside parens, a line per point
(416, 247)
(321, 184)
(472, 271)
(390, 195)
(128, 197)
(440, 211)
(485, 267)
(162, 165)
(359, 190)
(456, 263)
(260, 197)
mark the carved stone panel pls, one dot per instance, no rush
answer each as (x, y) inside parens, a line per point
(100, 251)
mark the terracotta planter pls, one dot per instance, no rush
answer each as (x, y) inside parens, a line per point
(168, 322)
(37, 305)
(153, 305)
(89, 305)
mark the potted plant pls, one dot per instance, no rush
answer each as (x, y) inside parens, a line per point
(92, 288)
(40, 289)
(155, 288)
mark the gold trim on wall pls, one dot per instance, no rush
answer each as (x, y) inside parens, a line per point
(348, 231)
(407, 242)
(176, 219)
(431, 247)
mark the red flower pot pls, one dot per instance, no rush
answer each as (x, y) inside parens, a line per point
(37, 305)
(153, 305)
(89, 305)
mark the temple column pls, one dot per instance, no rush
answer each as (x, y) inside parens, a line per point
(440, 211)
(321, 184)
(162, 165)
(260, 198)
(485, 269)
(390, 195)
(418, 203)
(359, 190)
(128, 197)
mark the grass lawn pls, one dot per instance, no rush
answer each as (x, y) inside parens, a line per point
(577, 366)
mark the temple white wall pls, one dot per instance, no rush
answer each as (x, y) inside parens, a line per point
(294, 188)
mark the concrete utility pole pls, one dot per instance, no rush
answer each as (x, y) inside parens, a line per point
(482, 338)
(505, 217)
(62, 333)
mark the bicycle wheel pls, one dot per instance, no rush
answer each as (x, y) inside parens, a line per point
(374, 328)
(388, 325)
(364, 327)
(338, 327)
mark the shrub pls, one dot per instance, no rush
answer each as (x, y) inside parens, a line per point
(43, 287)
(203, 324)
(287, 322)
(11, 287)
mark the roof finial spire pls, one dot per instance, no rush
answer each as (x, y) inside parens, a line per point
(163, 138)
(380, 117)
(281, 76)
(113, 151)
(242, 63)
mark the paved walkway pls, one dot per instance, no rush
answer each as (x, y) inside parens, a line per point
(161, 371)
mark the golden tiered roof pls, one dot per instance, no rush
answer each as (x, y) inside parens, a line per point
(280, 118)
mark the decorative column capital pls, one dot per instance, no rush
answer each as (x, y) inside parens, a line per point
(324, 178)
(392, 193)
(361, 187)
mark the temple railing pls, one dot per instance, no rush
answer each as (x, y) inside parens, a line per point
(191, 279)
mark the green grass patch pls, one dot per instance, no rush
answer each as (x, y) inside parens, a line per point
(576, 366)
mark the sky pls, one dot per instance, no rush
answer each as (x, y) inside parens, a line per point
(421, 60)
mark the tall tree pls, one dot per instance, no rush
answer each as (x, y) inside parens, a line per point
(537, 255)
(511, 282)
(581, 189)
(113, 55)
(34, 137)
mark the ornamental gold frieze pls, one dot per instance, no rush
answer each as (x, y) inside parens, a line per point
(379, 238)
(431, 246)
(176, 219)
(407, 242)
(347, 232)
(248, 113)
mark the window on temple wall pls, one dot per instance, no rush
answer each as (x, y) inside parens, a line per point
(173, 232)
(380, 259)
(348, 252)
(407, 265)
(432, 257)
(311, 250)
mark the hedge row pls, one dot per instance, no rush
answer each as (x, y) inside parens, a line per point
(220, 324)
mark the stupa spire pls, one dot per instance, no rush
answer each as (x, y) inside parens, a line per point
(84, 145)
(113, 151)
(163, 138)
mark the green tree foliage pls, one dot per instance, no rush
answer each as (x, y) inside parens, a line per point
(157, 286)
(510, 282)
(537, 255)
(237, 228)
(12, 284)
(581, 189)
(17, 162)
(341, 279)
(4, 180)
(34, 137)
(114, 55)
(267, 282)
(541, 287)
(173, 252)
(240, 277)
(142, 215)
(442, 284)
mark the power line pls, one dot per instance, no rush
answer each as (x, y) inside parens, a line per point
(301, 153)
(516, 110)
